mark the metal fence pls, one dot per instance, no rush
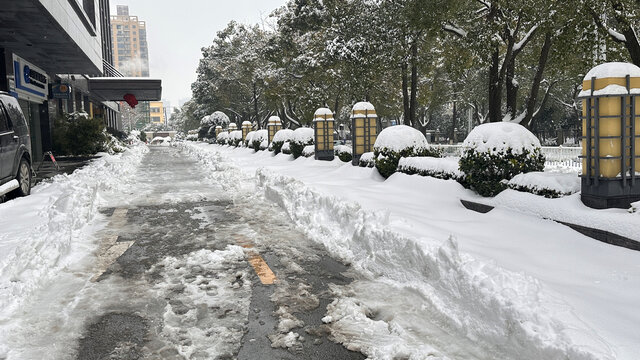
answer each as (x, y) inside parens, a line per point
(556, 156)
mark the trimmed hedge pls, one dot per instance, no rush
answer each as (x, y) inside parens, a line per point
(387, 160)
(485, 172)
(342, 154)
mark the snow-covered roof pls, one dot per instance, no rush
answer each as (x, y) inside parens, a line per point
(498, 136)
(323, 114)
(399, 137)
(613, 69)
(302, 135)
(361, 108)
(283, 135)
(275, 120)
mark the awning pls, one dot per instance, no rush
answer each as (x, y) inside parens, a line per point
(115, 88)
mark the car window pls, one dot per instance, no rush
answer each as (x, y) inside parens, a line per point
(16, 119)
(4, 123)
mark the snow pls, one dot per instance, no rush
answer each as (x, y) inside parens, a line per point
(261, 136)
(457, 284)
(561, 183)
(283, 135)
(264, 145)
(286, 147)
(161, 140)
(219, 118)
(612, 89)
(445, 165)
(361, 106)
(206, 121)
(50, 230)
(275, 120)
(612, 70)
(498, 137)
(302, 135)
(343, 149)
(223, 136)
(235, 135)
(400, 137)
(249, 138)
(9, 186)
(323, 113)
(308, 150)
(246, 123)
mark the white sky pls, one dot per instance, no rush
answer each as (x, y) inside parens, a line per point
(177, 30)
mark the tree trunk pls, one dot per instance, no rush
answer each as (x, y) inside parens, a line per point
(405, 93)
(632, 44)
(413, 105)
(512, 89)
(454, 121)
(535, 87)
(255, 102)
(495, 88)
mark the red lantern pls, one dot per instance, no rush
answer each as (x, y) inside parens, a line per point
(131, 100)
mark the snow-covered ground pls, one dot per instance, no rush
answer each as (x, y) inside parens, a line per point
(457, 284)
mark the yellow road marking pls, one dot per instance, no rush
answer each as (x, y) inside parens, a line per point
(264, 272)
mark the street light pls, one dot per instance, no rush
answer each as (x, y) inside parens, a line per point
(218, 130)
(232, 127)
(611, 136)
(323, 125)
(273, 126)
(364, 128)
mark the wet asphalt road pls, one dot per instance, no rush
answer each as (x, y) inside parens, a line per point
(169, 303)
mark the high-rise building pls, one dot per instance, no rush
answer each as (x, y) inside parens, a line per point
(130, 48)
(158, 116)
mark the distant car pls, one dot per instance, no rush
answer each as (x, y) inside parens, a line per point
(15, 148)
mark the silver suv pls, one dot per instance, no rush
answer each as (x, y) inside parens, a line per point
(15, 148)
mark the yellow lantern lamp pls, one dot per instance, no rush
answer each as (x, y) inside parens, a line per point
(218, 130)
(364, 129)
(611, 136)
(273, 126)
(246, 128)
(232, 127)
(323, 122)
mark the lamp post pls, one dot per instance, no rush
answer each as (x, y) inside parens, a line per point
(246, 128)
(364, 129)
(273, 126)
(323, 131)
(232, 127)
(611, 136)
(218, 130)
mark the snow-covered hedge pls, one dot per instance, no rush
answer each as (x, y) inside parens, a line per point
(235, 138)
(343, 152)
(441, 168)
(301, 138)
(286, 148)
(223, 138)
(248, 141)
(309, 151)
(258, 138)
(396, 142)
(192, 137)
(219, 118)
(280, 138)
(367, 160)
(550, 185)
(496, 152)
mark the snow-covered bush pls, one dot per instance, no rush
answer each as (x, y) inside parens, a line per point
(192, 137)
(264, 145)
(286, 148)
(309, 151)
(248, 141)
(301, 138)
(235, 138)
(211, 134)
(219, 118)
(343, 152)
(550, 185)
(223, 138)
(441, 168)
(367, 160)
(496, 152)
(280, 138)
(396, 142)
(257, 139)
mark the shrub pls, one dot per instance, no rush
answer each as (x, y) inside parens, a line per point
(441, 168)
(78, 134)
(203, 132)
(120, 135)
(367, 160)
(280, 138)
(286, 148)
(258, 138)
(248, 141)
(301, 138)
(497, 152)
(235, 138)
(396, 142)
(143, 136)
(343, 153)
(549, 185)
(309, 151)
(223, 138)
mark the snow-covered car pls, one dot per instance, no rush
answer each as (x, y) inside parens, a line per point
(15, 148)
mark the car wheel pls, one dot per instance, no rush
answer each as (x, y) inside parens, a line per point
(24, 178)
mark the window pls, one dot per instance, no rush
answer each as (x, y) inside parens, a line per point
(4, 122)
(155, 119)
(155, 110)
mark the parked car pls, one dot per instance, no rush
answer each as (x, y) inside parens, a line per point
(15, 148)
